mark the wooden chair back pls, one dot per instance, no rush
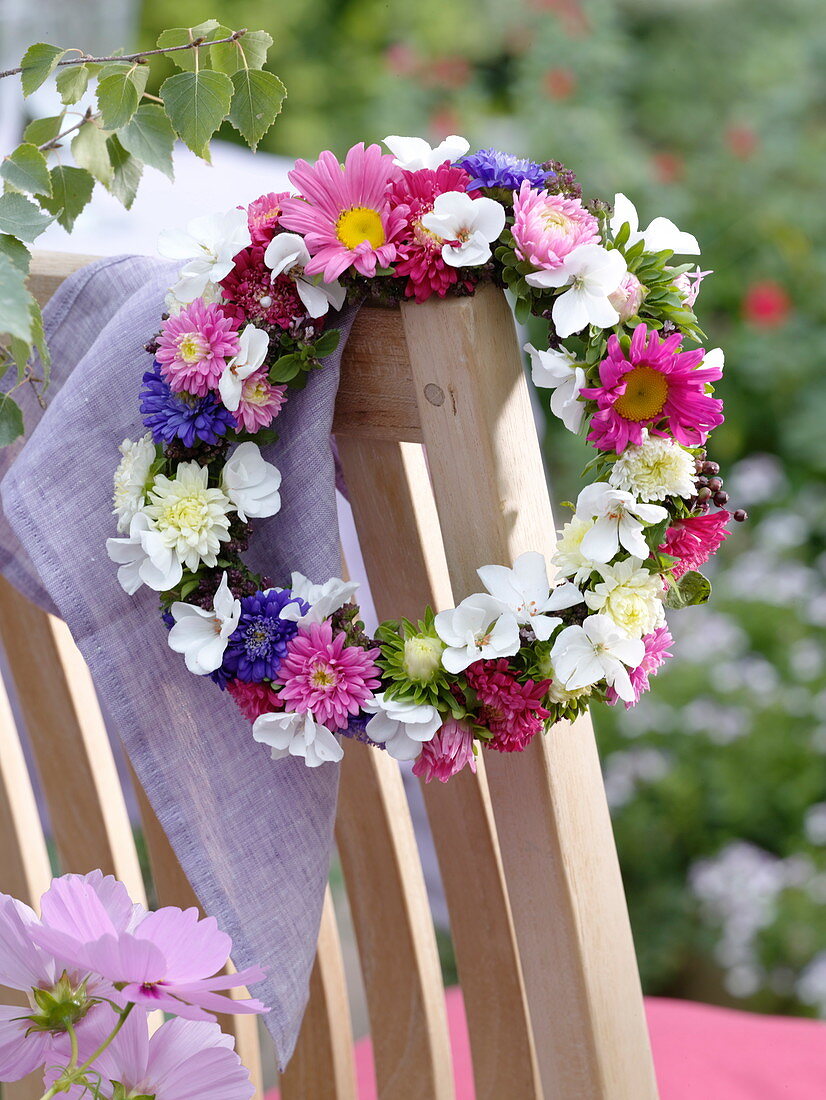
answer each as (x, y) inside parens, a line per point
(437, 440)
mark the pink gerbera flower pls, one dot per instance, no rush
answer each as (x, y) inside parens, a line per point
(446, 753)
(324, 675)
(344, 214)
(252, 295)
(261, 402)
(547, 227)
(419, 253)
(654, 385)
(254, 699)
(657, 651)
(511, 710)
(693, 541)
(194, 347)
(263, 215)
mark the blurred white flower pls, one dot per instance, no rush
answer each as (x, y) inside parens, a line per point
(558, 371)
(210, 245)
(661, 234)
(132, 479)
(414, 153)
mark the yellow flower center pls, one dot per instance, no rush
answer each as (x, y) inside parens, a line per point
(256, 394)
(646, 391)
(555, 219)
(323, 677)
(192, 347)
(186, 512)
(358, 225)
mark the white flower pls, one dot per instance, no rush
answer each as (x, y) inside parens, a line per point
(251, 483)
(592, 273)
(476, 630)
(414, 153)
(466, 225)
(190, 518)
(290, 734)
(253, 344)
(629, 595)
(323, 599)
(526, 593)
(656, 469)
(144, 558)
(619, 522)
(402, 727)
(568, 557)
(131, 478)
(597, 650)
(202, 635)
(173, 305)
(558, 371)
(661, 234)
(288, 254)
(714, 358)
(210, 245)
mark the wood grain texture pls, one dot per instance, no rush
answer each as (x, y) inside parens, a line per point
(49, 269)
(323, 1065)
(549, 802)
(389, 490)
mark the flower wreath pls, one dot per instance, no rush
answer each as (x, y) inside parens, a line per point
(246, 321)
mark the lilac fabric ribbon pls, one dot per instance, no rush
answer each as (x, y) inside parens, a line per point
(254, 836)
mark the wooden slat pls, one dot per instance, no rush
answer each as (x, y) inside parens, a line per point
(49, 269)
(555, 834)
(323, 1066)
(390, 491)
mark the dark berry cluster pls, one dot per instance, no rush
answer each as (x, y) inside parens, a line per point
(710, 489)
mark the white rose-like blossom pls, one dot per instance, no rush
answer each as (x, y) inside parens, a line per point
(414, 153)
(591, 273)
(525, 592)
(290, 734)
(656, 469)
(210, 245)
(620, 520)
(324, 599)
(402, 727)
(251, 483)
(467, 226)
(202, 635)
(630, 596)
(253, 344)
(144, 557)
(597, 650)
(287, 254)
(660, 235)
(476, 630)
(131, 479)
(559, 371)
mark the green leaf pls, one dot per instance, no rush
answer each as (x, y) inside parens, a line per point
(692, 588)
(15, 315)
(27, 170)
(229, 57)
(21, 218)
(256, 103)
(126, 172)
(71, 190)
(72, 81)
(38, 63)
(327, 343)
(11, 420)
(180, 36)
(91, 152)
(197, 104)
(16, 252)
(39, 338)
(285, 369)
(118, 96)
(42, 130)
(150, 137)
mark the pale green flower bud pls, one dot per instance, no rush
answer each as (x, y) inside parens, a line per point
(422, 657)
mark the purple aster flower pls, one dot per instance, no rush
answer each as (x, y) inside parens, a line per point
(490, 168)
(182, 415)
(259, 643)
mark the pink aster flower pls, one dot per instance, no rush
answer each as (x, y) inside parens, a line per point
(254, 699)
(250, 293)
(547, 227)
(263, 215)
(419, 252)
(261, 402)
(194, 346)
(511, 710)
(325, 676)
(656, 385)
(693, 541)
(344, 214)
(446, 753)
(657, 651)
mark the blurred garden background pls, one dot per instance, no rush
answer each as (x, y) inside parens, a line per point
(710, 112)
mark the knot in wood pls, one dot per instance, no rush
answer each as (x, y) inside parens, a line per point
(434, 394)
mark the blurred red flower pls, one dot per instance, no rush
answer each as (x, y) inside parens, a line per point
(766, 304)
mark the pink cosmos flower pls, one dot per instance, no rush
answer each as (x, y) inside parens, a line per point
(194, 346)
(263, 215)
(655, 386)
(344, 214)
(511, 710)
(419, 253)
(547, 227)
(261, 402)
(253, 699)
(251, 295)
(657, 651)
(324, 675)
(446, 753)
(693, 541)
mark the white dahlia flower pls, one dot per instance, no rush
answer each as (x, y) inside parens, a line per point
(630, 596)
(656, 469)
(568, 557)
(132, 478)
(191, 518)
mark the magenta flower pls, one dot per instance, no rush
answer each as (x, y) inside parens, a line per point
(263, 215)
(254, 699)
(511, 710)
(654, 385)
(194, 346)
(261, 402)
(657, 651)
(695, 539)
(547, 227)
(344, 214)
(324, 675)
(446, 753)
(251, 294)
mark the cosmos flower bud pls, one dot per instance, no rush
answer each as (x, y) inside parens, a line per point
(628, 297)
(422, 657)
(64, 1004)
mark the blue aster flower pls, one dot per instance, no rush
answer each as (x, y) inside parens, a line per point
(181, 416)
(490, 168)
(259, 643)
